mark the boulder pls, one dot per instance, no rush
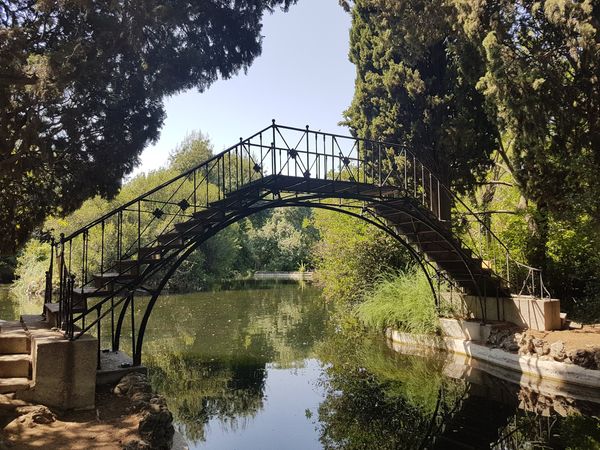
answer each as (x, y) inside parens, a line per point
(540, 347)
(584, 358)
(557, 351)
(156, 427)
(137, 445)
(156, 422)
(35, 414)
(526, 346)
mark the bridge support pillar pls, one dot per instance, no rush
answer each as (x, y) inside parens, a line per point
(64, 371)
(524, 311)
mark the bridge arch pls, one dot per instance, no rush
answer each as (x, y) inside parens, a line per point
(306, 201)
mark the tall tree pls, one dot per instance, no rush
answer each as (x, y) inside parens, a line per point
(81, 89)
(415, 85)
(542, 85)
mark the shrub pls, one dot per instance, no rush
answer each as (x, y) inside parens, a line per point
(403, 301)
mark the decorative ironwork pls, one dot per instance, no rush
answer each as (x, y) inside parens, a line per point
(183, 204)
(381, 182)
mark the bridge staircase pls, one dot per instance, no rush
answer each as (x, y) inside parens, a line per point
(97, 272)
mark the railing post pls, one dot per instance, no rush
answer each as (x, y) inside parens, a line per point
(139, 226)
(61, 281)
(69, 305)
(195, 193)
(49, 274)
(99, 333)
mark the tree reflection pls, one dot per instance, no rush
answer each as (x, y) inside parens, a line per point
(376, 398)
(208, 352)
(197, 390)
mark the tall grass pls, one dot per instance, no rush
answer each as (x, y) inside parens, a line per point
(403, 301)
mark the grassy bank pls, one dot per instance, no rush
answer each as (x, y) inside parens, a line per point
(400, 300)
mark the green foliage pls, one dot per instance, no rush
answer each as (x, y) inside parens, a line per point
(82, 87)
(194, 149)
(542, 60)
(403, 301)
(580, 432)
(507, 85)
(32, 264)
(7, 268)
(351, 255)
(284, 241)
(415, 86)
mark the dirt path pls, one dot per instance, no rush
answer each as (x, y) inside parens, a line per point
(110, 426)
(587, 337)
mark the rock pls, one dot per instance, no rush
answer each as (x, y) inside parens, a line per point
(526, 346)
(131, 383)
(584, 358)
(575, 325)
(557, 351)
(156, 422)
(36, 414)
(509, 344)
(493, 338)
(157, 429)
(137, 445)
(597, 357)
(540, 347)
(141, 400)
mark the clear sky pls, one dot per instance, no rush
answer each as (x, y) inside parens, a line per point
(303, 77)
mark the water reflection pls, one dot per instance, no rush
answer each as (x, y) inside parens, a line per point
(377, 398)
(268, 368)
(211, 355)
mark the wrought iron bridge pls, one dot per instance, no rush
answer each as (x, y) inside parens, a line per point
(100, 272)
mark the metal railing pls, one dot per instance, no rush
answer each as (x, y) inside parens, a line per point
(133, 229)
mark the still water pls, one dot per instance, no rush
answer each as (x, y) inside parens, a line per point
(271, 368)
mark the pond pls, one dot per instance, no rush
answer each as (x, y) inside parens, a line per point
(270, 367)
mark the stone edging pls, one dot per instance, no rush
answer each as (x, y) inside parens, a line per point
(530, 365)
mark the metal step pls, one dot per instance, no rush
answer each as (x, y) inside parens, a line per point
(209, 215)
(108, 280)
(170, 239)
(190, 227)
(150, 254)
(128, 267)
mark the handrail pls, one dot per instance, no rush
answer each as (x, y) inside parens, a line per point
(158, 188)
(292, 151)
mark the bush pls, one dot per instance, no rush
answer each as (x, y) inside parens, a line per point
(352, 255)
(403, 301)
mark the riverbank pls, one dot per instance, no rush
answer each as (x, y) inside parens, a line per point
(534, 357)
(111, 425)
(129, 416)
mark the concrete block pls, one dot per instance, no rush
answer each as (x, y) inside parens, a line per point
(64, 372)
(525, 311)
(14, 384)
(469, 331)
(12, 343)
(114, 366)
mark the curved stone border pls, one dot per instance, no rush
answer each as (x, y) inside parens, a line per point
(530, 365)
